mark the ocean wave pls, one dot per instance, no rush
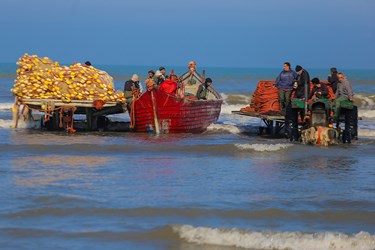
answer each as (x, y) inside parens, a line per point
(6, 106)
(224, 127)
(263, 147)
(275, 240)
(366, 133)
(366, 113)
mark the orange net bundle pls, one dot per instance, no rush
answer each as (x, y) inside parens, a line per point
(265, 98)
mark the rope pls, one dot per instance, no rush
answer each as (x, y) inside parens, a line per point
(136, 96)
(48, 111)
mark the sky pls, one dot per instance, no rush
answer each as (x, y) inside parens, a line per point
(217, 33)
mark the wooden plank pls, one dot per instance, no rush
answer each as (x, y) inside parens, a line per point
(58, 102)
(279, 118)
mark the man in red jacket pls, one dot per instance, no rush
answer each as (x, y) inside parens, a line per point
(169, 86)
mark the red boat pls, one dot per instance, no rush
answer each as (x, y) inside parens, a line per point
(159, 112)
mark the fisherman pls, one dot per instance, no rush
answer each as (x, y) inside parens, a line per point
(333, 80)
(343, 97)
(303, 79)
(284, 83)
(202, 90)
(344, 92)
(158, 78)
(319, 90)
(151, 73)
(169, 86)
(301, 88)
(163, 75)
(132, 88)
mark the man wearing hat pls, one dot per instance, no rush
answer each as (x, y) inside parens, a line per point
(202, 90)
(158, 78)
(130, 88)
(303, 79)
(151, 74)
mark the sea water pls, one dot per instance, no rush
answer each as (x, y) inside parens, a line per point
(224, 189)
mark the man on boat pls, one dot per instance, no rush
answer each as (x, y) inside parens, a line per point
(163, 75)
(132, 88)
(169, 86)
(158, 78)
(151, 74)
(202, 90)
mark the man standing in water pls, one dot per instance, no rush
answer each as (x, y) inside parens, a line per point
(284, 83)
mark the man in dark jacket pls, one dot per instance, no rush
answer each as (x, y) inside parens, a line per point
(202, 91)
(333, 79)
(320, 90)
(130, 87)
(300, 86)
(303, 79)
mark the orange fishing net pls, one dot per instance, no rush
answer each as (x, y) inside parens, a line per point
(265, 98)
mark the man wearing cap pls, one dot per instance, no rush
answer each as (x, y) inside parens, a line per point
(303, 79)
(130, 88)
(158, 78)
(202, 90)
(151, 74)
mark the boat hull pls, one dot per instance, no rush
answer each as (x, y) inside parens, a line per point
(173, 114)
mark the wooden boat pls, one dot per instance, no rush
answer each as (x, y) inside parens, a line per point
(159, 112)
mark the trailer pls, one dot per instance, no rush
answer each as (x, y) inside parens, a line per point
(273, 121)
(59, 115)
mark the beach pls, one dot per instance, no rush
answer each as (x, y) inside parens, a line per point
(224, 189)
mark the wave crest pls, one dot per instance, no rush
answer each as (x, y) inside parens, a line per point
(263, 147)
(275, 240)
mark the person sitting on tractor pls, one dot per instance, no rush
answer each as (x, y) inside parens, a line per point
(343, 93)
(319, 90)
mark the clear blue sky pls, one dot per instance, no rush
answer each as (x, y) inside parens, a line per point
(235, 33)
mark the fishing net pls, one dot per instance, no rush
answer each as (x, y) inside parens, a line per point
(41, 78)
(264, 99)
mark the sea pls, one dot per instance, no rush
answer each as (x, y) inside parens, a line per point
(224, 189)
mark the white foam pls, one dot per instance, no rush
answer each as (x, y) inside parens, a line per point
(366, 113)
(227, 109)
(263, 147)
(275, 240)
(224, 127)
(366, 102)
(6, 123)
(30, 124)
(6, 106)
(366, 133)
